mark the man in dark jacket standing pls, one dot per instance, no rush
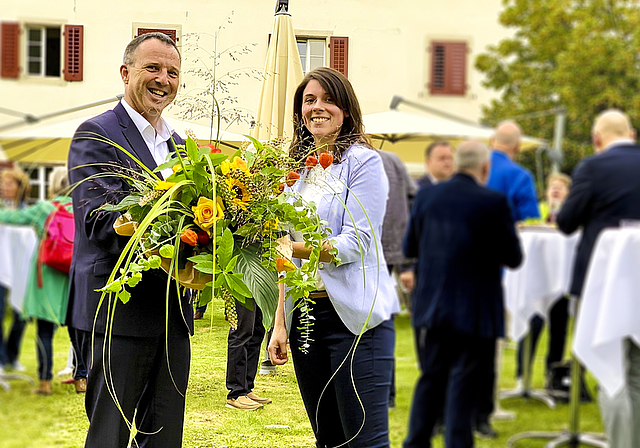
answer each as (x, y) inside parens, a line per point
(605, 191)
(461, 234)
(139, 365)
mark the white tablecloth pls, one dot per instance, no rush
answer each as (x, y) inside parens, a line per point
(610, 306)
(543, 276)
(17, 246)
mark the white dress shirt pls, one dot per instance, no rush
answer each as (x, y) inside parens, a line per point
(156, 140)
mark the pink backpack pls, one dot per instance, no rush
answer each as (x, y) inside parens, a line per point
(56, 247)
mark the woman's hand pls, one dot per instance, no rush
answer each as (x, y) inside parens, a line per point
(278, 346)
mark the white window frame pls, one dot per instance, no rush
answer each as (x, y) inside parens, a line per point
(43, 44)
(306, 67)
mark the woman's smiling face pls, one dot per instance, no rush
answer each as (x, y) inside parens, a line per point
(322, 117)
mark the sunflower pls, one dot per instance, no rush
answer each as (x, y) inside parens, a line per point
(240, 193)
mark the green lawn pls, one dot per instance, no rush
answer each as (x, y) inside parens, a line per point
(59, 421)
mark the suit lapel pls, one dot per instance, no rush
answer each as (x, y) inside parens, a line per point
(136, 142)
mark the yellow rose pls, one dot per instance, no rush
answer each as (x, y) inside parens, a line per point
(240, 164)
(164, 185)
(225, 166)
(204, 212)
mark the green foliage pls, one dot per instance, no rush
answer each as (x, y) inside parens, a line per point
(582, 56)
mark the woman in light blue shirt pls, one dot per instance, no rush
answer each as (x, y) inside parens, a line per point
(355, 296)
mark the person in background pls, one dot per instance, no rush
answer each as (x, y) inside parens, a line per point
(14, 190)
(328, 120)
(47, 288)
(461, 234)
(402, 190)
(516, 183)
(606, 190)
(439, 163)
(558, 185)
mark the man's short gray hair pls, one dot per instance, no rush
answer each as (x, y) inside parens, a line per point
(129, 53)
(471, 155)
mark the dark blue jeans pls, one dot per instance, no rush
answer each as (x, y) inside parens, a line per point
(243, 351)
(44, 349)
(335, 413)
(14, 341)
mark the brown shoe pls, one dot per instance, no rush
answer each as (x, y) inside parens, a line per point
(198, 315)
(257, 399)
(243, 402)
(81, 385)
(43, 389)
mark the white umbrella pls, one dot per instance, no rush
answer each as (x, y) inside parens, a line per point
(49, 143)
(282, 75)
(408, 134)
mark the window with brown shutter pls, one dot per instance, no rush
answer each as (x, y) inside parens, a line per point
(10, 49)
(73, 50)
(448, 68)
(339, 58)
(171, 33)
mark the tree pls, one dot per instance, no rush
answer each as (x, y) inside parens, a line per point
(580, 55)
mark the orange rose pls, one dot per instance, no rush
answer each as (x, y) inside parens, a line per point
(213, 148)
(189, 237)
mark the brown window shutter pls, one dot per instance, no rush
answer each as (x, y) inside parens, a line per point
(73, 51)
(448, 68)
(10, 50)
(170, 33)
(339, 54)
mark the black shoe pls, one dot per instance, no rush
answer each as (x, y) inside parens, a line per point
(485, 431)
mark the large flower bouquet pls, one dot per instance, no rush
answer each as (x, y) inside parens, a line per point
(215, 225)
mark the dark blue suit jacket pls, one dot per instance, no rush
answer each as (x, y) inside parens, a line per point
(606, 189)
(97, 246)
(462, 234)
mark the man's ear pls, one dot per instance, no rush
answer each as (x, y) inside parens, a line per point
(124, 73)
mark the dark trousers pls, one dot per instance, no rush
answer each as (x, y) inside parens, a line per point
(243, 351)
(451, 365)
(487, 384)
(81, 345)
(148, 376)
(558, 318)
(14, 341)
(44, 349)
(333, 407)
(3, 349)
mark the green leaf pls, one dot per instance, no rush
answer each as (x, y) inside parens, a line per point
(225, 249)
(232, 264)
(135, 279)
(262, 282)
(154, 262)
(235, 283)
(166, 251)
(192, 149)
(124, 296)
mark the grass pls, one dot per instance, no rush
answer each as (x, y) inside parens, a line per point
(28, 421)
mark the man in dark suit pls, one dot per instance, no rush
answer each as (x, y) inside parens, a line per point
(438, 159)
(139, 361)
(606, 190)
(461, 234)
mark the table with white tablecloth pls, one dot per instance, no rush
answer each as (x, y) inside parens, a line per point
(543, 277)
(610, 306)
(17, 245)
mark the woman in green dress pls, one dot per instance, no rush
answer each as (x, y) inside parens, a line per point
(47, 304)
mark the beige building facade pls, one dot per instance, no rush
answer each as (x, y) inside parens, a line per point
(63, 54)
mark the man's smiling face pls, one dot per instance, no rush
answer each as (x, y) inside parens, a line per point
(151, 82)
